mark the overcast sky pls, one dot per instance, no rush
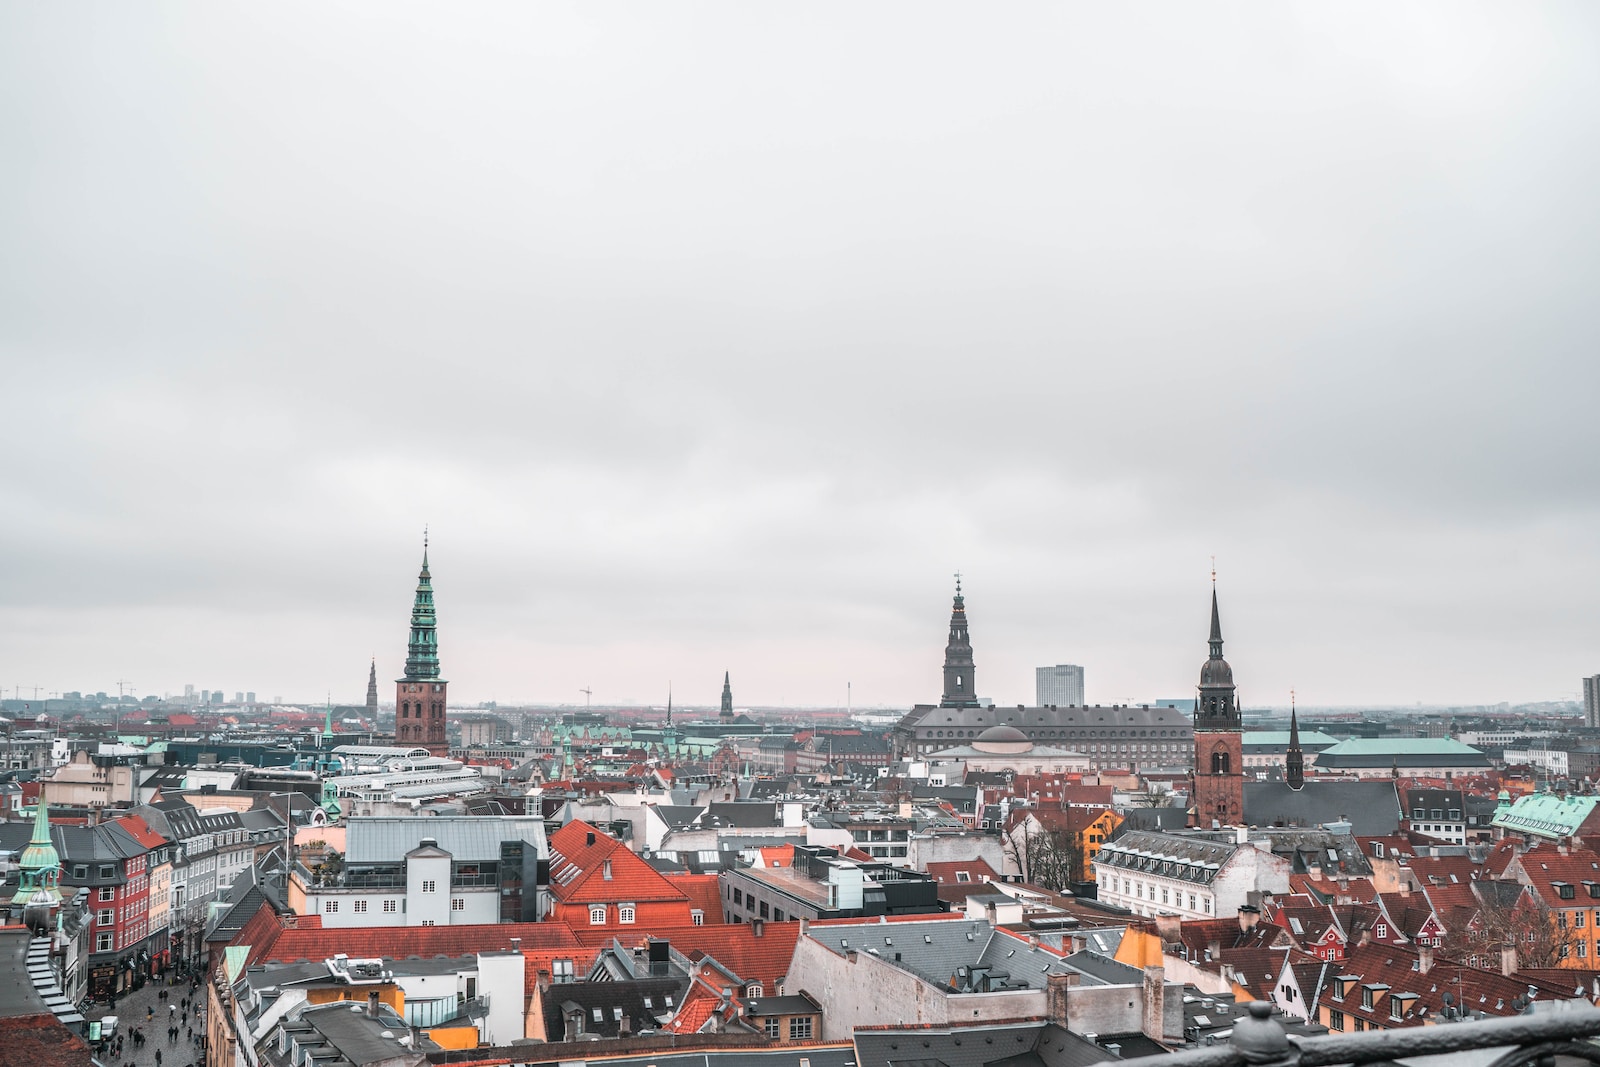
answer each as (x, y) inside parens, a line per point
(715, 337)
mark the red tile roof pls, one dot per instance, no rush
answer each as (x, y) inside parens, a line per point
(704, 892)
(977, 871)
(588, 866)
(735, 946)
(41, 1041)
(140, 831)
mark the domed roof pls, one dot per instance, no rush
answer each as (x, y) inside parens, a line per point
(1002, 741)
(1216, 672)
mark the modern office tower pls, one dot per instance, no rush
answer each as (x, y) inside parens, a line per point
(1060, 686)
(1591, 700)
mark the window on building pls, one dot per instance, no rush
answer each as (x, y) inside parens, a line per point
(597, 915)
(108, 871)
(1366, 997)
(389, 905)
(771, 1028)
(1381, 930)
(561, 970)
(108, 893)
(106, 917)
(331, 906)
(102, 943)
(625, 913)
(738, 896)
(427, 922)
(430, 886)
(763, 909)
(800, 1029)
(360, 905)
(698, 917)
(753, 989)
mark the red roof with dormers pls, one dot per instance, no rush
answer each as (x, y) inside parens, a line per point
(977, 871)
(589, 866)
(734, 946)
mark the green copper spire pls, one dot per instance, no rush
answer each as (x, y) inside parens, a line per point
(422, 653)
(40, 863)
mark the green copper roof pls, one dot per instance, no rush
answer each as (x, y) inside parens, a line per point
(422, 652)
(1280, 738)
(40, 864)
(1547, 815)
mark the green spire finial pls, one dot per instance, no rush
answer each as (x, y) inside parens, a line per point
(40, 864)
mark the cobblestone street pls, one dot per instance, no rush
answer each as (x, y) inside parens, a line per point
(145, 1011)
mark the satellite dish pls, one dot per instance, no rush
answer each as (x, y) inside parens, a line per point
(1448, 999)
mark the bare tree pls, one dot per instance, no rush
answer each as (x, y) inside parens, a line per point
(1511, 915)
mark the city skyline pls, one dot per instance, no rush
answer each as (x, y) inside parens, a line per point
(708, 341)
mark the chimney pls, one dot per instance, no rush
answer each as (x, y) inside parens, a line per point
(758, 927)
(1508, 960)
(589, 838)
(1055, 996)
(516, 944)
(1424, 959)
(1249, 915)
(1169, 927)
(1214, 949)
(1154, 1003)
(544, 981)
(372, 1005)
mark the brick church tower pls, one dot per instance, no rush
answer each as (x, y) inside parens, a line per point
(1218, 738)
(419, 703)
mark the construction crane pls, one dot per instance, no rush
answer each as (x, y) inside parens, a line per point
(587, 693)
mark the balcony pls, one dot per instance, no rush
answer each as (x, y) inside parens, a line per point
(1550, 1036)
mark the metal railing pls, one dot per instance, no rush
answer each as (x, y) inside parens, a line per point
(1535, 1038)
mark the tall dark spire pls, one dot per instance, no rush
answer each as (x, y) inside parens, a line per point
(372, 691)
(669, 705)
(960, 691)
(1294, 761)
(727, 699)
(422, 652)
(1215, 706)
(1216, 625)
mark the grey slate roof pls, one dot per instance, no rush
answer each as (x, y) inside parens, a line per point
(1372, 807)
(384, 839)
(937, 950)
(1037, 1044)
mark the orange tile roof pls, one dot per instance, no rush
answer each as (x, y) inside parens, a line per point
(735, 946)
(704, 892)
(141, 831)
(579, 869)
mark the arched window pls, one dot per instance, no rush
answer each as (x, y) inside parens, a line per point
(597, 915)
(1220, 763)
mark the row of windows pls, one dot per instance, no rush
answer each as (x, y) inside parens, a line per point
(331, 906)
(597, 914)
(799, 1029)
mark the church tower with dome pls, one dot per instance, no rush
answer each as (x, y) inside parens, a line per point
(1218, 737)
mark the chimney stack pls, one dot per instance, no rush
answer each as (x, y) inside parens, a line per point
(372, 1005)
(1508, 960)
(1154, 1003)
(1055, 996)
(1424, 959)
(1249, 915)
